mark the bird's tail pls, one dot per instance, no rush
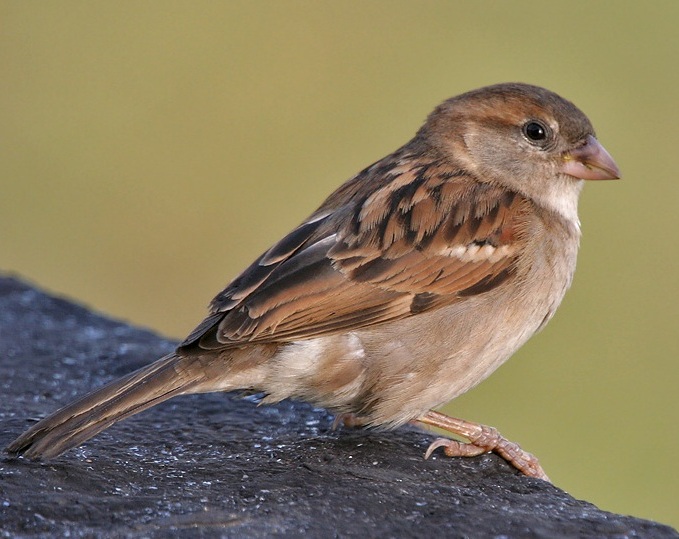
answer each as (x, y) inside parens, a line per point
(73, 424)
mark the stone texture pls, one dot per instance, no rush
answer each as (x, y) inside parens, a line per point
(218, 466)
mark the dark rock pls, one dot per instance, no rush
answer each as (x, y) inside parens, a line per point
(218, 466)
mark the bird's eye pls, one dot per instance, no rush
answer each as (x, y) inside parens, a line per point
(535, 131)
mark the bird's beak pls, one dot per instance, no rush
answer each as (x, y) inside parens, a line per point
(590, 161)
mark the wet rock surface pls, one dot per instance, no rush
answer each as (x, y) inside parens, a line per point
(218, 466)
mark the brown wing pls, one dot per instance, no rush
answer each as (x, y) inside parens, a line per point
(426, 238)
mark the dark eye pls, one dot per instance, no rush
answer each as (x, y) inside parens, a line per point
(535, 131)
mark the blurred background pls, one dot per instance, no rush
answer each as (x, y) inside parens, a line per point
(149, 151)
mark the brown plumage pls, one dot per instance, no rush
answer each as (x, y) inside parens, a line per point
(409, 285)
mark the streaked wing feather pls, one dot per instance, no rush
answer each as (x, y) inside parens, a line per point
(425, 238)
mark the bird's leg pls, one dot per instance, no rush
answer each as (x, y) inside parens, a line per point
(482, 439)
(348, 420)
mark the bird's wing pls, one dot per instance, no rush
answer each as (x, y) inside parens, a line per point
(426, 238)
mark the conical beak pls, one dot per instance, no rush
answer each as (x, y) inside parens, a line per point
(590, 161)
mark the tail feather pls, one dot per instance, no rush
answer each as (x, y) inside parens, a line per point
(79, 421)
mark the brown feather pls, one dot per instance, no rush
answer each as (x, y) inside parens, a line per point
(366, 267)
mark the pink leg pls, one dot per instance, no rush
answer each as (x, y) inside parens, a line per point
(348, 420)
(482, 439)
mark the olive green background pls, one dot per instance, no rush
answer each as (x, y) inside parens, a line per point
(150, 150)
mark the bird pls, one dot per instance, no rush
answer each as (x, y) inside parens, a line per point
(408, 286)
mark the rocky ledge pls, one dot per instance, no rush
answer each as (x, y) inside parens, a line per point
(218, 466)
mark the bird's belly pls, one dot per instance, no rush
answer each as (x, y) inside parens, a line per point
(420, 364)
(392, 373)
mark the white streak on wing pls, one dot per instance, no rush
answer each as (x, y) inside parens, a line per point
(478, 253)
(327, 241)
(318, 217)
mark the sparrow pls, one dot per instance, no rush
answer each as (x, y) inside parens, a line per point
(408, 286)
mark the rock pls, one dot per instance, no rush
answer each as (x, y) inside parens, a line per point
(218, 466)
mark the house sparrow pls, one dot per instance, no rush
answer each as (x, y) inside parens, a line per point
(410, 284)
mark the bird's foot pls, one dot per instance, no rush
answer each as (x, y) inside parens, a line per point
(482, 439)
